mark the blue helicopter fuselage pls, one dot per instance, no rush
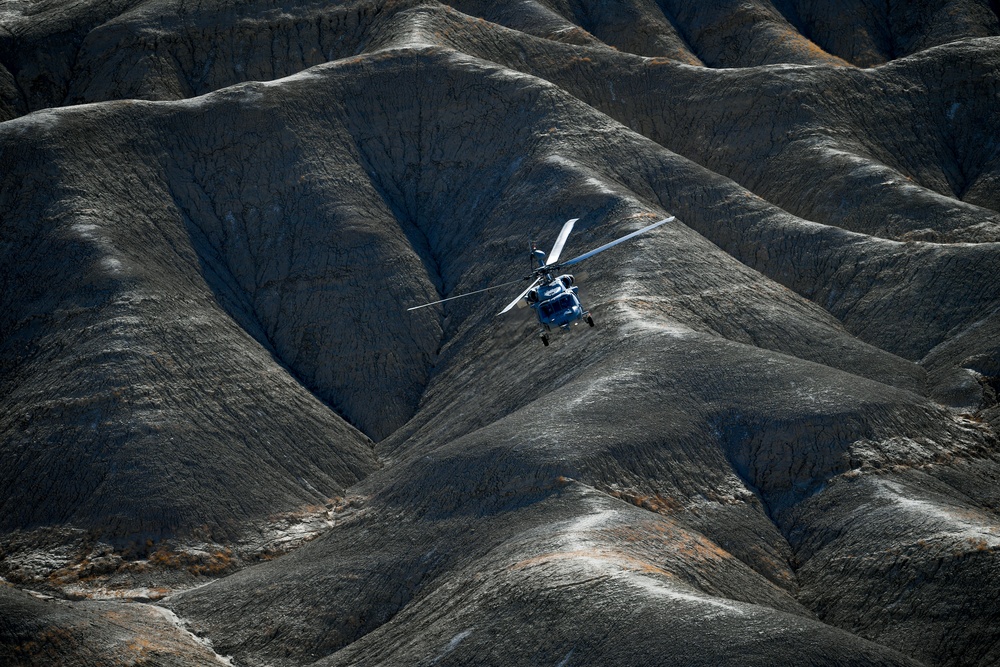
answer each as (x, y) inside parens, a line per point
(556, 303)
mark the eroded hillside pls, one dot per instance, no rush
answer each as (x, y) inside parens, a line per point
(777, 446)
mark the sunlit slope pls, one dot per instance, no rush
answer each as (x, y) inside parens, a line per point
(777, 445)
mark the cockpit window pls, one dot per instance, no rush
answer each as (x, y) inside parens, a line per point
(562, 303)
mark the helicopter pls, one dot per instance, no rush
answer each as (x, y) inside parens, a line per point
(553, 296)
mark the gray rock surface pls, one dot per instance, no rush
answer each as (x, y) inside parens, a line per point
(47, 631)
(778, 446)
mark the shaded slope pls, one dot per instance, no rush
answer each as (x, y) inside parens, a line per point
(114, 345)
(695, 401)
(200, 297)
(39, 42)
(168, 49)
(956, 143)
(869, 33)
(834, 145)
(490, 480)
(833, 123)
(628, 430)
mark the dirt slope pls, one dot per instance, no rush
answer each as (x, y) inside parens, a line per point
(778, 444)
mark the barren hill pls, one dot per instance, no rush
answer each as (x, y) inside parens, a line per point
(222, 434)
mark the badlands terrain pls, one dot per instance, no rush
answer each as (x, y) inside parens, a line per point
(224, 439)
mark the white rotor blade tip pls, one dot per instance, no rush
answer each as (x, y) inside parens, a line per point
(604, 247)
(520, 296)
(561, 241)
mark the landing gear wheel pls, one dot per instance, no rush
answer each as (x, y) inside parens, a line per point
(590, 320)
(545, 339)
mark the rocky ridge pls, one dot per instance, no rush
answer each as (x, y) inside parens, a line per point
(779, 444)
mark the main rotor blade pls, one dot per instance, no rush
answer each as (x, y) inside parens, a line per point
(520, 296)
(560, 241)
(588, 255)
(459, 296)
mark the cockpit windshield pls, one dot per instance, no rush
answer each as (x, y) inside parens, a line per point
(565, 302)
